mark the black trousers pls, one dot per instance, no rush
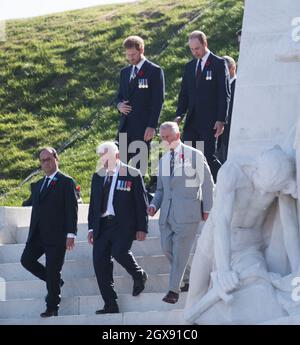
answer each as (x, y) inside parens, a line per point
(51, 272)
(110, 244)
(224, 144)
(126, 156)
(207, 137)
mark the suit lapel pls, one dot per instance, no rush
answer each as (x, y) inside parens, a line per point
(122, 172)
(98, 188)
(37, 192)
(134, 84)
(126, 81)
(165, 170)
(206, 67)
(52, 185)
(194, 65)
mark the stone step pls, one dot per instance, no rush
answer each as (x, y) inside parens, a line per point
(87, 305)
(81, 286)
(73, 269)
(22, 231)
(173, 317)
(11, 253)
(286, 320)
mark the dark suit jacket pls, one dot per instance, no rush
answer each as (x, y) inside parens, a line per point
(130, 206)
(146, 102)
(208, 102)
(54, 215)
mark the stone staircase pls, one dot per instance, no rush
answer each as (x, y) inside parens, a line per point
(22, 295)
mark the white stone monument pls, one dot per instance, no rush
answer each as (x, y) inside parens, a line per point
(246, 268)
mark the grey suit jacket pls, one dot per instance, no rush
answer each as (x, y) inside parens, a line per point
(191, 183)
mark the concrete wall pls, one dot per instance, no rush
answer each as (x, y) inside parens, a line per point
(13, 217)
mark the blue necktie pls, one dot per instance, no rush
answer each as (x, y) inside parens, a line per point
(134, 74)
(172, 162)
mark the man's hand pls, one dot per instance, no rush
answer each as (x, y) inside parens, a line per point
(219, 128)
(70, 243)
(178, 120)
(124, 108)
(228, 280)
(140, 235)
(205, 216)
(91, 238)
(151, 210)
(149, 133)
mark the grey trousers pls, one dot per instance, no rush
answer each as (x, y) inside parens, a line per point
(187, 272)
(177, 241)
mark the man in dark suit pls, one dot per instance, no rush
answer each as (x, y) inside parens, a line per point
(225, 136)
(140, 98)
(117, 216)
(53, 227)
(204, 96)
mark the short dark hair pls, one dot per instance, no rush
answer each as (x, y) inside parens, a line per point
(51, 150)
(134, 42)
(200, 35)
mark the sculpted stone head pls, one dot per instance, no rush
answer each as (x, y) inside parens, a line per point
(275, 172)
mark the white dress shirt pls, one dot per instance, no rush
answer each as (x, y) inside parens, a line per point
(50, 177)
(232, 80)
(110, 208)
(203, 61)
(139, 66)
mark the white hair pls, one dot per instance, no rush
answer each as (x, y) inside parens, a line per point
(173, 126)
(229, 61)
(109, 147)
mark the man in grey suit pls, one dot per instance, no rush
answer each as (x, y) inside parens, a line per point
(184, 196)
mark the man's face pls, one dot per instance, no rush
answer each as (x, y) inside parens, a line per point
(108, 160)
(198, 49)
(169, 138)
(232, 70)
(49, 163)
(134, 55)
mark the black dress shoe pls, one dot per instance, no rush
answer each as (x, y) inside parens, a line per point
(61, 285)
(49, 313)
(139, 284)
(171, 297)
(108, 309)
(185, 287)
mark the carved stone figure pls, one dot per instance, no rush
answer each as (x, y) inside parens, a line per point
(249, 249)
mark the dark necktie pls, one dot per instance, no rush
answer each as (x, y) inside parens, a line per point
(199, 69)
(134, 74)
(105, 193)
(45, 187)
(198, 72)
(172, 162)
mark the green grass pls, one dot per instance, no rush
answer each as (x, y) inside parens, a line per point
(59, 73)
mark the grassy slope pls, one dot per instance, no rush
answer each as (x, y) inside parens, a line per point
(60, 72)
